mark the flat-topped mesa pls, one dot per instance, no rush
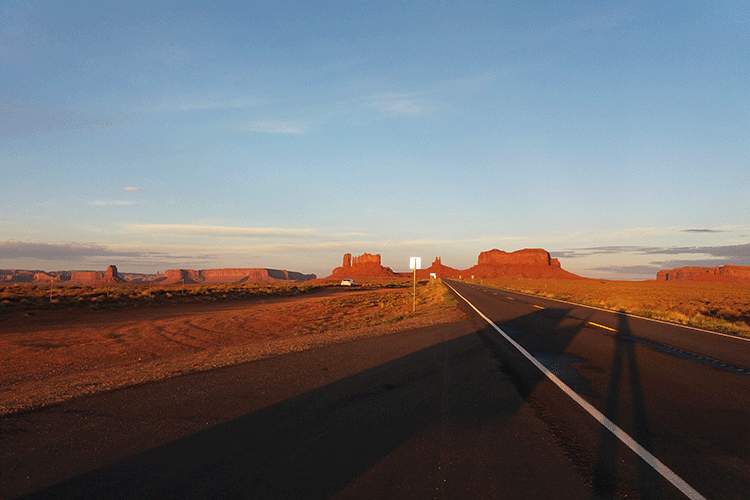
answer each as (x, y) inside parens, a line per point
(526, 263)
(366, 259)
(527, 257)
(231, 275)
(86, 276)
(719, 274)
(365, 265)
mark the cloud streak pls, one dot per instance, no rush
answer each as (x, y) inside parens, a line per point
(225, 231)
(741, 251)
(112, 203)
(397, 104)
(10, 249)
(273, 127)
(93, 254)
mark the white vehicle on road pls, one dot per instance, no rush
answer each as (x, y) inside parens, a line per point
(347, 282)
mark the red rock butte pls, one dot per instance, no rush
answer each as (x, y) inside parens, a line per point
(526, 263)
(366, 265)
(172, 276)
(722, 274)
(231, 275)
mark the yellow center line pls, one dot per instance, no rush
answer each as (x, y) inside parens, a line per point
(602, 326)
(538, 307)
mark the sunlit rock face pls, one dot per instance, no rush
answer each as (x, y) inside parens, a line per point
(722, 274)
(365, 265)
(526, 263)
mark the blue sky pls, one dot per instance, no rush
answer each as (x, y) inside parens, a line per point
(153, 136)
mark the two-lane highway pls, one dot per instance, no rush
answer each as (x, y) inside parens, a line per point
(447, 411)
(681, 394)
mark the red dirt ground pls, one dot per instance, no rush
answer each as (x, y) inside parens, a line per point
(53, 355)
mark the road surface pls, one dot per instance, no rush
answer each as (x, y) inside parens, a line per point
(452, 411)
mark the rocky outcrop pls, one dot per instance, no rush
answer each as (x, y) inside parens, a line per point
(439, 270)
(526, 263)
(86, 276)
(171, 276)
(111, 275)
(525, 257)
(232, 275)
(18, 275)
(364, 265)
(719, 274)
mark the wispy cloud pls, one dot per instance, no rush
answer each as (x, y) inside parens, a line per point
(703, 231)
(272, 127)
(190, 104)
(732, 251)
(10, 249)
(395, 104)
(132, 189)
(112, 203)
(704, 256)
(19, 118)
(226, 231)
(98, 256)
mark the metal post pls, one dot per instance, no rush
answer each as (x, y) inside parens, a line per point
(414, 307)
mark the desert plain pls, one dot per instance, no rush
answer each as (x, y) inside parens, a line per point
(62, 340)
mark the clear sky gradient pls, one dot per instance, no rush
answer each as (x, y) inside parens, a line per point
(154, 136)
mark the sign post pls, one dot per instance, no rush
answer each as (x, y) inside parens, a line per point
(415, 263)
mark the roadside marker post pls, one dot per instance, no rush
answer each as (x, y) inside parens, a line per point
(415, 263)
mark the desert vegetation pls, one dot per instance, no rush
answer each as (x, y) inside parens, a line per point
(722, 307)
(31, 296)
(72, 349)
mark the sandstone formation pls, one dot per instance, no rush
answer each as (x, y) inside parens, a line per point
(86, 276)
(111, 276)
(364, 265)
(186, 276)
(526, 263)
(722, 274)
(439, 270)
(232, 275)
(18, 276)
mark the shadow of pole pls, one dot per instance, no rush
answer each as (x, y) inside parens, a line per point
(625, 377)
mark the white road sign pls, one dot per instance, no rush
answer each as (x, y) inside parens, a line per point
(415, 262)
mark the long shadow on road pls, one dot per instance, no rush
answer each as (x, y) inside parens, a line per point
(316, 444)
(547, 334)
(309, 446)
(625, 377)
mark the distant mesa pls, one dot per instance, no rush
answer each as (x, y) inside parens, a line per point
(722, 274)
(172, 276)
(526, 263)
(233, 275)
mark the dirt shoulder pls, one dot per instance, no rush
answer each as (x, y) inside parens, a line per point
(52, 356)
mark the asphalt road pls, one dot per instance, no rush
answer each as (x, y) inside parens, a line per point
(452, 411)
(681, 393)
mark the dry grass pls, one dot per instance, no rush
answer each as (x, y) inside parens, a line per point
(364, 309)
(30, 297)
(59, 354)
(713, 306)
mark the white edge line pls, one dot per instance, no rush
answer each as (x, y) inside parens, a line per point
(623, 436)
(630, 315)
